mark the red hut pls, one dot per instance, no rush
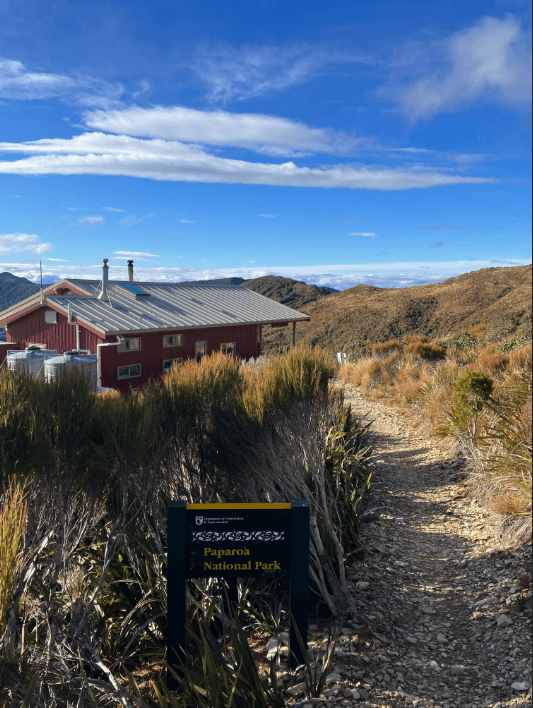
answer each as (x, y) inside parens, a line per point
(138, 330)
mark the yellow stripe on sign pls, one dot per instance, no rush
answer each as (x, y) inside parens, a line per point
(208, 507)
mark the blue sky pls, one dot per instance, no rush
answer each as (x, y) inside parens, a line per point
(386, 143)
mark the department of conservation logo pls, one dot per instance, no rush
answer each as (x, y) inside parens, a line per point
(199, 520)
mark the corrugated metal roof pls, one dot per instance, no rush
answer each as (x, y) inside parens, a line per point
(173, 306)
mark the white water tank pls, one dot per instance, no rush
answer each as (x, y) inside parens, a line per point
(78, 362)
(30, 360)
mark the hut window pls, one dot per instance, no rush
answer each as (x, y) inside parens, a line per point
(172, 340)
(129, 372)
(228, 348)
(130, 345)
(168, 363)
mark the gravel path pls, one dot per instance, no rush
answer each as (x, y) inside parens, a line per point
(441, 619)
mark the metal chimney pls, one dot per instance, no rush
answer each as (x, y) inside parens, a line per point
(104, 297)
(130, 271)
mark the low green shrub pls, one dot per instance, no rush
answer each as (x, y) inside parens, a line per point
(471, 392)
(522, 336)
(461, 340)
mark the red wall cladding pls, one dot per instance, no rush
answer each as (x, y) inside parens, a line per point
(32, 329)
(152, 353)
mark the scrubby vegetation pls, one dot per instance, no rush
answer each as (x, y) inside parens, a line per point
(86, 479)
(342, 321)
(473, 387)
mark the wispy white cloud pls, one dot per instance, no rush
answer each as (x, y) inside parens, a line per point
(114, 209)
(18, 242)
(264, 134)
(144, 87)
(76, 208)
(57, 260)
(91, 220)
(490, 61)
(267, 216)
(101, 154)
(383, 275)
(128, 221)
(17, 82)
(136, 254)
(185, 221)
(131, 220)
(241, 73)
(366, 234)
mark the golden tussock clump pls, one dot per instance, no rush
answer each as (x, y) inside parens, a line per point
(425, 350)
(490, 361)
(420, 379)
(521, 358)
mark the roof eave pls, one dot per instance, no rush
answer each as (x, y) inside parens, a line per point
(33, 302)
(178, 328)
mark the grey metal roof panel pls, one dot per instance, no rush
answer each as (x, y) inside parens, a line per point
(173, 306)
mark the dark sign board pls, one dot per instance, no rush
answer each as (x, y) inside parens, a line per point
(237, 541)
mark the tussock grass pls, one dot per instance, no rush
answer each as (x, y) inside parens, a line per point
(490, 361)
(13, 514)
(425, 350)
(491, 428)
(385, 347)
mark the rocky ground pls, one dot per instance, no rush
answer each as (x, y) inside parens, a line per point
(444, 613)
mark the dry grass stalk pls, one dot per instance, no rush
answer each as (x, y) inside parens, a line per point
(12, 521)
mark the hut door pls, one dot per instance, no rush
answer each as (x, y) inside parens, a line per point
(200, 350)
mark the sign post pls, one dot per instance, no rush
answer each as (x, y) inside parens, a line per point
(176, 586)
(233, 541)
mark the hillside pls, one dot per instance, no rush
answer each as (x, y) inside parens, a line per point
(12, 290)
(343, 319)
(293, 293)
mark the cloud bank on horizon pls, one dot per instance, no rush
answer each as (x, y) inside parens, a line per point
(340, 277)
